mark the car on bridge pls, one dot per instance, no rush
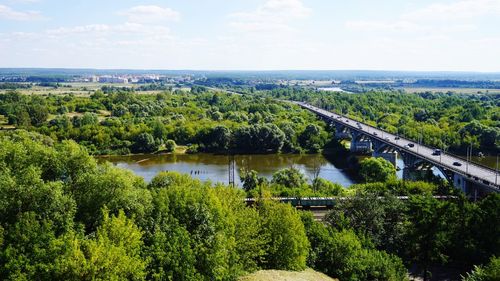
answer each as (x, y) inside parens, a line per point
(456, 163)
(436, 152)
(410, 144)
(397, 138)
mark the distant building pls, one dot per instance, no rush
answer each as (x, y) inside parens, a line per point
(113, 79)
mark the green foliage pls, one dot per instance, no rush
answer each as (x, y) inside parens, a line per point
(289, 177)
(489, 272)
(288, 245)
(259, 138)
(327, 188)
(251, 180)
(113, 254)
(428, 232)
(312, 138)
(377, 170)
(64, 217)
(119, 122)
(145, 143)
(382, 220)
(170, 145)
(341, 254)
(201, 233)
(114, 188)
(397, 187)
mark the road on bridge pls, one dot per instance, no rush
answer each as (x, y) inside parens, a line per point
(470, 171)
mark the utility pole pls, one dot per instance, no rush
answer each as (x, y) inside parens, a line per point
(231, 167)
(496, 175)
(467, 161)
(469, 157)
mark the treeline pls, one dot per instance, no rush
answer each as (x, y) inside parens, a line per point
(447, 83)
(14, 86)
(122, 122)
(449, 121)
(64, 217)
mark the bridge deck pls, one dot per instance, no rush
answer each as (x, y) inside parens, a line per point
(473, 172)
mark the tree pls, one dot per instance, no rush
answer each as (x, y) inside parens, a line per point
(159, 130)
(251, 180)
(486, 239)
(218, 138)
(428, 235)
(290, 177)
(380, 219)
(145, 143)
(170, 145)
(489, 272)
(38, 114)
(113, 254)
(327, 188)
(114, 188)
(89, 119)
(288, 245)
(312, 138)
(259, 138)
(377, 170)
(341, 254)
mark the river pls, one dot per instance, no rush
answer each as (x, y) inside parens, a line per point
(215, 167)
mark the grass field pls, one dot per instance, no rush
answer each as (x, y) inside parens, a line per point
(278, 275)
(82, 89)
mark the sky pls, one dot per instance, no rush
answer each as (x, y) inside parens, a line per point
(423, 35)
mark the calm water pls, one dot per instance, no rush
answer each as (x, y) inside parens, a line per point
(215, 167)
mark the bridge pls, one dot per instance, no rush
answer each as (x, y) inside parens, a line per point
(468, 176)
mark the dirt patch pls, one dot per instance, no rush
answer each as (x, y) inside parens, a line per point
(279, 275)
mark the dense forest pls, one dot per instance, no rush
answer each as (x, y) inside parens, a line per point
(116, 121)
(449, 121)
(65, 217)
(123, 122)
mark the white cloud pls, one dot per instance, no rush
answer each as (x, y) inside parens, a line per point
(273, 15)
(150, 14)
(11, 14)
(457, 16)
(464, 9)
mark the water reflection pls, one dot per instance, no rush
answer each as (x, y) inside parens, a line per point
(215, 167)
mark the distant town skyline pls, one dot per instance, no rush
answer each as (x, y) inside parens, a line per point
(441, 35)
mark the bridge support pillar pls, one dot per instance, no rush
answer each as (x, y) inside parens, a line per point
(341, 132)
(381, 149)
(391, 156)
(359, 143)
(460, 182)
